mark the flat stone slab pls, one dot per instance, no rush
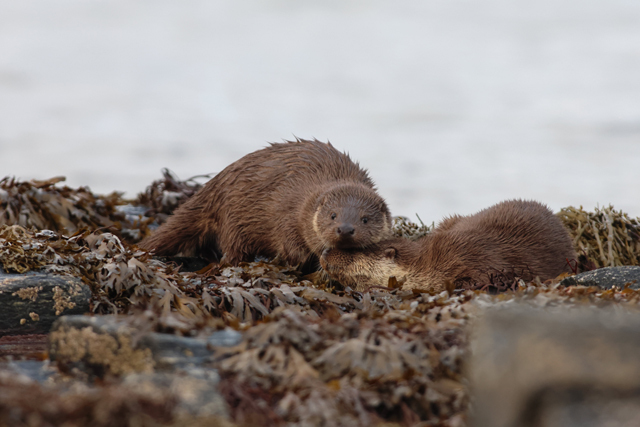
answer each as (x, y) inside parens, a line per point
(570, 367)
(606, 278)
(24, 346)
(32, 302)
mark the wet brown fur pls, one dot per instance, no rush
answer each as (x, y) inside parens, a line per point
(278, 201)
(510, 239)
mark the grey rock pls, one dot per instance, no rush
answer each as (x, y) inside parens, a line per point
(171, 351)
(31, 370)
(117, 345)
(99, 345)
(149, 363)
(224, 338)
(133, 213)
(196, 390)
(32, 302)
(606, 278)
(192, 393)
(590, 408)
(555, 367)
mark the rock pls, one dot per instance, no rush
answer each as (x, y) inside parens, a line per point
(555, 367)
(606, 278)
(171, 351)
(196, 391)
(98, 345)
(148, 363)
(30, 346)
(101, 345)
(224, 338)
(32, 370)
(32, 302)
(34, 393)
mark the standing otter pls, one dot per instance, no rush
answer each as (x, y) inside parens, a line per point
(292, 199)
(511, 239)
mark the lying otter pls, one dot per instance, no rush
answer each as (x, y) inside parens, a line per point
(511, 239)
(292, 200)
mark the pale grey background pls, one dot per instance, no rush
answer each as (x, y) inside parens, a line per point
(452, 105)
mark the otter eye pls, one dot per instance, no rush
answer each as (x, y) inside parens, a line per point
(365, 220)
(333, 216)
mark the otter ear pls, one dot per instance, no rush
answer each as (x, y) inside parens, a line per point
(390, 253)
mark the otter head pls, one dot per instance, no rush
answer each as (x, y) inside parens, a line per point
(378, 265)
(351, 216)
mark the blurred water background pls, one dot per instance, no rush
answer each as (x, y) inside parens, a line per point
(452, 105)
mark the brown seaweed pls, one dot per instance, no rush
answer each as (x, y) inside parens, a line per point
(311, 353)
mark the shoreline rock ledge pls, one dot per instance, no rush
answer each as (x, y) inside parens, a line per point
(606, 278)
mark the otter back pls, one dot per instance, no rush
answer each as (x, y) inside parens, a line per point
(292, 200)
(511, 239)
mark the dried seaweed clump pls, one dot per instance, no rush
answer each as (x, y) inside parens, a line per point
(163, 196)
(397, 359)
(41, 205)
(402, 227)
(603, 238)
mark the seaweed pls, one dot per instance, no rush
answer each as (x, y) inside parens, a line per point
(43, 205)
(603, 238)
(403, 227)
(163, 196)
(311, 353)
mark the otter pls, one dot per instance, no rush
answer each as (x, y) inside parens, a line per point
(292, 199)
(511, 239)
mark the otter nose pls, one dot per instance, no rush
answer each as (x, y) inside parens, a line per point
(346, 229)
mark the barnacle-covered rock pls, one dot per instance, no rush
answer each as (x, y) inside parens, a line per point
(99, 346)
(32, 302)
(119, 345)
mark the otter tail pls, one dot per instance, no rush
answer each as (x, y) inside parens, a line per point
(182, 235)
